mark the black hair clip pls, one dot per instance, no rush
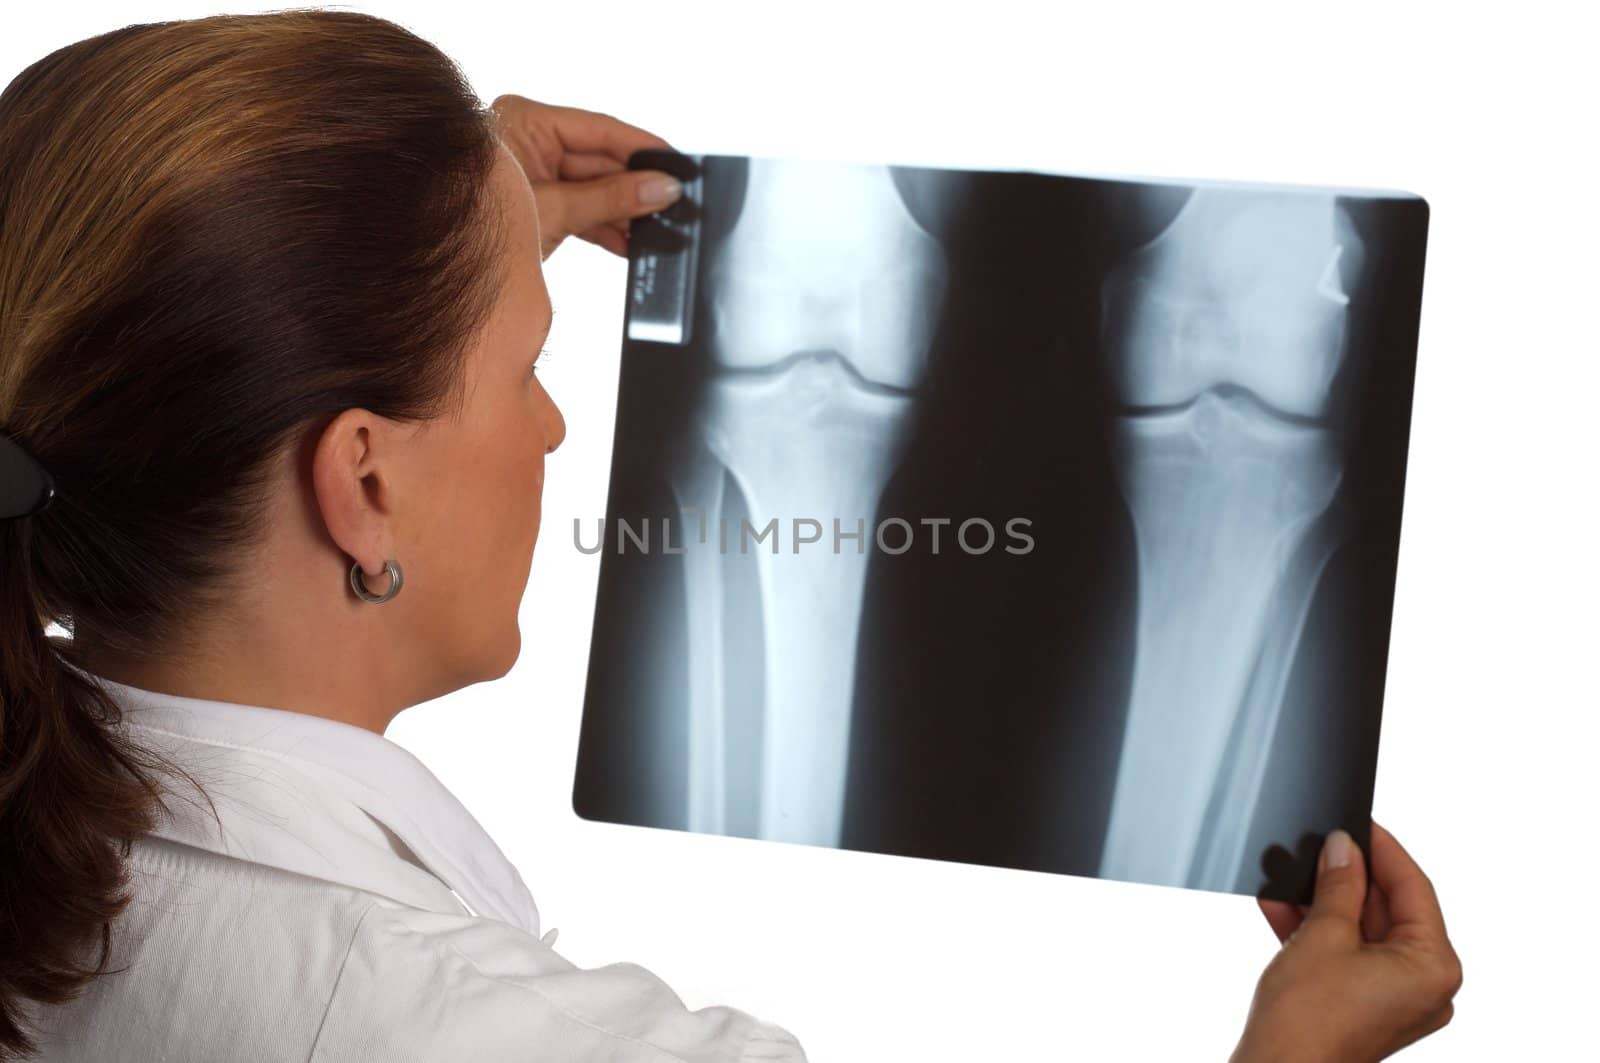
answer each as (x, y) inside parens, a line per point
(26, 487)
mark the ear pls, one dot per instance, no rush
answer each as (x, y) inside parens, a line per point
(353, 465)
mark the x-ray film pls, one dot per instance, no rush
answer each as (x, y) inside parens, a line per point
(1030, 520)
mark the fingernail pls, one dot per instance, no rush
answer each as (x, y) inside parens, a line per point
(1337, 850)
(659, 190)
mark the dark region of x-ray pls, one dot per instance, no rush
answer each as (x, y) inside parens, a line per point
(1020, 519)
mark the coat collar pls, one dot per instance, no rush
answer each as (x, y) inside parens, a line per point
(322, 798)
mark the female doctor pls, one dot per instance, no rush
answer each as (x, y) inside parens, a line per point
(272, 441)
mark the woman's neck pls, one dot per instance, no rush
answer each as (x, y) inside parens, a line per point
(251, 676)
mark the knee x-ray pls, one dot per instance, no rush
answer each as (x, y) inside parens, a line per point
(1029, 520)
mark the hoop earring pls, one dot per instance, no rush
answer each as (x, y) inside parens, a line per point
(359, 586)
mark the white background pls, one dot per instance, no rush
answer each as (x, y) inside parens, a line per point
(1487, 761)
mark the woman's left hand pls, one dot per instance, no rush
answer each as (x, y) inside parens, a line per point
(1363, 972)
(576, 162)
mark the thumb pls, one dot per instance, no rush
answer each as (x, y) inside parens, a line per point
(1341, 888)
(578, 206)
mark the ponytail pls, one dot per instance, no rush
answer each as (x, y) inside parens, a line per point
(73, 795)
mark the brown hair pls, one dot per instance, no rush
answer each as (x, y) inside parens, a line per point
(214, 236)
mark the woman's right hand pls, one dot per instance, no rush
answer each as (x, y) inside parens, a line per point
(1363, 972)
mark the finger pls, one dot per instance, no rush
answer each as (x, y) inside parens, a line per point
(1413, 904)
(581, 205)
(1282, 916)
(1375, 916)
(582, 167)
(586, 131)
(608, 237)
(1341, 887)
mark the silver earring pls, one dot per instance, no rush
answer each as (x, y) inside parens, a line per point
(359, 586)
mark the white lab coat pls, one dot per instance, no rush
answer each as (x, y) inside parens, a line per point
(348, 908)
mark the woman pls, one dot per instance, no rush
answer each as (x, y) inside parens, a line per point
(270, 304)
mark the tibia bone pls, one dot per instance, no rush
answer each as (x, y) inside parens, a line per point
(825, 256)
(808, 439)
(697, 483)
(1220, 854)
(1242, 288)
(1224, 498)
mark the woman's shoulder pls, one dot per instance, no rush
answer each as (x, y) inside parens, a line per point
(428, 985)
(211, 959)
(219, 958)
